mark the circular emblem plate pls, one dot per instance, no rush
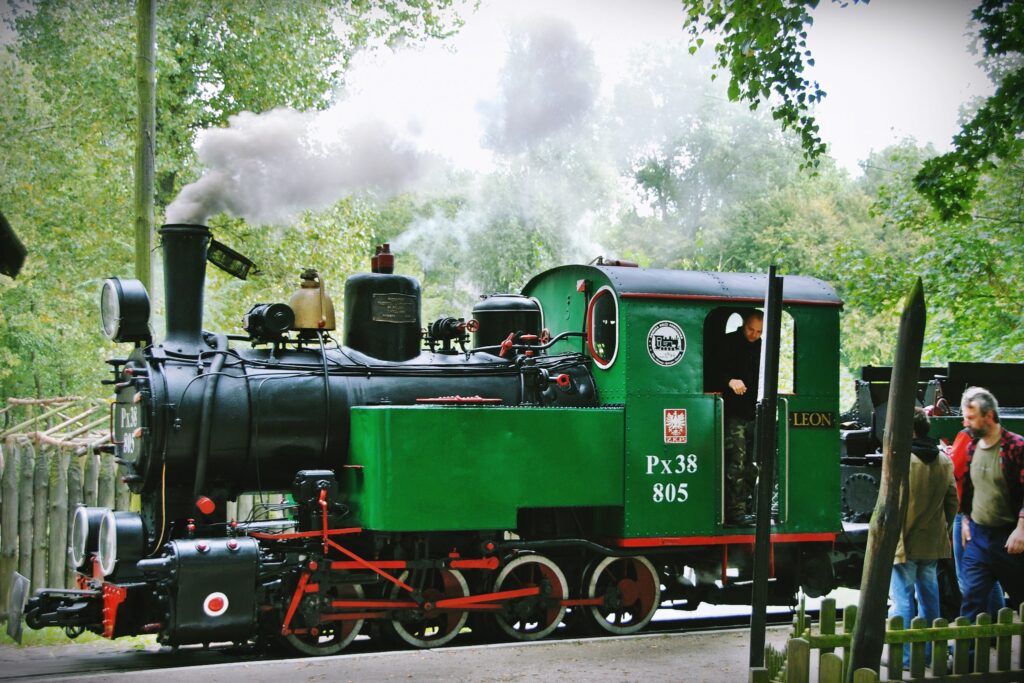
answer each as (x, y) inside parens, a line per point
(666, 343)
(215, 604)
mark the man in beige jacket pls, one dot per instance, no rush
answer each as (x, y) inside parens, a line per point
(925, 539)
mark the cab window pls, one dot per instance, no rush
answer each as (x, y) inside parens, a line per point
(603, 327)
(726, 319)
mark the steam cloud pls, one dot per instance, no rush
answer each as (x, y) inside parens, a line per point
(267, 167)
(548, 83)
(518, 122)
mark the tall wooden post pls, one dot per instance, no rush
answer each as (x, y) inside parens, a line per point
(765, 436)
(40, 517)
(145, 78)
(9, 521)
(891, 507)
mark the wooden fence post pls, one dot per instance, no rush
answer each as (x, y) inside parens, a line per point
(758, 674)
(982, 646)
(894, 658)
(798, 661)
(849, 624)
(28, 459)
(74, 500)
(961, 649)
(827, 620)
(245, 505)
(917, 650)
(1004, 644)
(1020, 641)
(122, 495)
(940, 651)
(90, 478)
(40, 516)
(830, 668)
(865, 676)
(105, 485)
(59, 521)
(891, 507)
(9, 522)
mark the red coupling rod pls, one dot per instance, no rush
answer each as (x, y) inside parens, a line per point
(366, 565)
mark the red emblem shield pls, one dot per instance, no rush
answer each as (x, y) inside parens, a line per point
(675, 425)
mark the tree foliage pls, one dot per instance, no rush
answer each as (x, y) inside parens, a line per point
(67, 130)
(992, 134)
(763, 48)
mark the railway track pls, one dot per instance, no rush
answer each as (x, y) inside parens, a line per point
(70, 662)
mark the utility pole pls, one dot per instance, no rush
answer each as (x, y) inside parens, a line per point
(145, 79)
(891, 508)
(766, 438)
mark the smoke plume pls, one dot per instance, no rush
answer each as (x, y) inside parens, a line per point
(267, 167)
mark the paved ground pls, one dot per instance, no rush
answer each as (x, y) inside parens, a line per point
(711, 657)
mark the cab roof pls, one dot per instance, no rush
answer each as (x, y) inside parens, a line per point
(654, 283)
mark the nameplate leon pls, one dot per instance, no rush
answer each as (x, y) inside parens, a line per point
(812, 418)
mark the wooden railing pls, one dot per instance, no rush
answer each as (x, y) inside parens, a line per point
(50, 464)
(795, 665)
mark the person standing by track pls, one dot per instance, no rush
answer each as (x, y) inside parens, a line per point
(992, 506)
(925, 536)
(958, 454)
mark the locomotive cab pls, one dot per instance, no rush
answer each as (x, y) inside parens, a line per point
(653, 337)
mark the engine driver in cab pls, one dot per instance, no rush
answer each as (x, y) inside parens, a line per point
(740, 373)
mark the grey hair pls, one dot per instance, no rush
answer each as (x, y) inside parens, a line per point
(982, 399)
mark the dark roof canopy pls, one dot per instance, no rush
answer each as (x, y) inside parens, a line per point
(652, 283)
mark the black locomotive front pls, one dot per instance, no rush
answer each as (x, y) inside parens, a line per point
(198, 420)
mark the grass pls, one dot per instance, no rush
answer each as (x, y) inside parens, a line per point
(55, 636)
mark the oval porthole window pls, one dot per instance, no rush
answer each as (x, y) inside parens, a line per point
(603, 327)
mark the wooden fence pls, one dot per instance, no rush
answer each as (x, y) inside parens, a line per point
(49, 464)
(795, 665)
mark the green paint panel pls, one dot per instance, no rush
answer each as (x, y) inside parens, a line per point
(809, 449)
(565, 311)
(672, 485)
(430, 468)
(809, 463)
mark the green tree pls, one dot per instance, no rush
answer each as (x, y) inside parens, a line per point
(972, 277)
(763, 47)
(68, 125)
(693, 156)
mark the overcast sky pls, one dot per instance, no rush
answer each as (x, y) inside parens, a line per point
(892, 68)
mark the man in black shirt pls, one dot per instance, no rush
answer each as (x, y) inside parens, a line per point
(740, 373)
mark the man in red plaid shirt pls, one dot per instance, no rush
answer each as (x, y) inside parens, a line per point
(992, 506)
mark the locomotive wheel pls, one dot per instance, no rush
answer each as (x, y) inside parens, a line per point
(433, 627)
(631, 590)
(533, 617)
(332, 636)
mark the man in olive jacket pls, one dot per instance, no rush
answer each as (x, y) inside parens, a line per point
(925, 539)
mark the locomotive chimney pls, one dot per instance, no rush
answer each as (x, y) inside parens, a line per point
(184, 248)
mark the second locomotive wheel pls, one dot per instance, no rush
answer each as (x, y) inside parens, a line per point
(631, 590)
(431, 627)
(328, 637)
(535, 616)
